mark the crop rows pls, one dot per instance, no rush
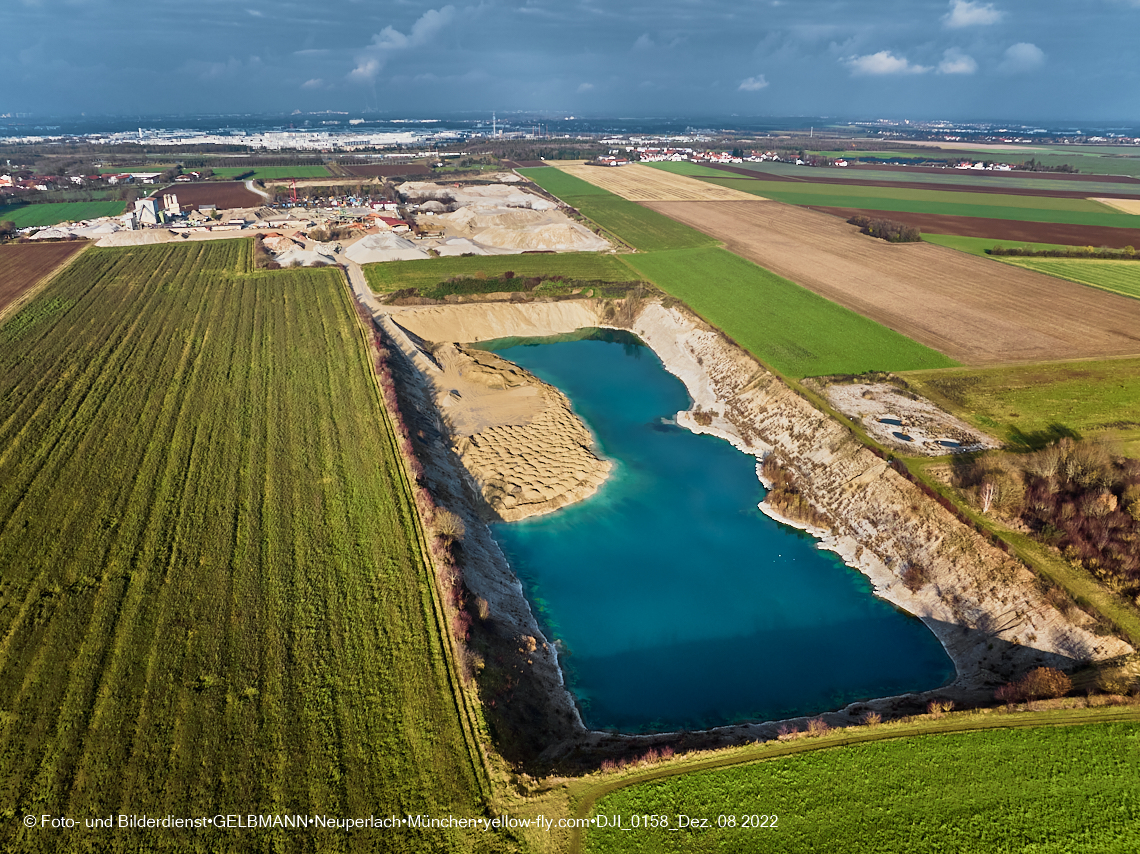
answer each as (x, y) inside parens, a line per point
(1120, 277)
(212, 598)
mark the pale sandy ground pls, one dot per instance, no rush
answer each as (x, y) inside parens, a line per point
(1128, 206)
(926, 424)
(639, 183)
(985, 608)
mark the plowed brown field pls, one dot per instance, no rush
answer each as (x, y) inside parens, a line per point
(642, 184)
(224, 194)
(972, 309)
(1002, 229)
(385, 170)
(23, 265)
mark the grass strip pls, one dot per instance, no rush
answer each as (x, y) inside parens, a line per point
(586, 266)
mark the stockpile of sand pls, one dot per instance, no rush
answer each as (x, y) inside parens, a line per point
(453, 246)
(485, 194)
(298, 256)
(384, 246)
(519, 230)
(523, 470)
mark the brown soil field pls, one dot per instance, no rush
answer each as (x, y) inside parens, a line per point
(1063, 176)
(1002, 229)
(24, 265)
(972, 309)
(224, 194)
(813, 177)
(386, 170)
(523, 164)
(643, 184)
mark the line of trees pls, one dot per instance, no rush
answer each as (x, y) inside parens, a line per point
(1103, 252)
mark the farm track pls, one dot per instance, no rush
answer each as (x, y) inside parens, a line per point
(816, 178)
(970, 309)
(1001, 229)
(213, 596)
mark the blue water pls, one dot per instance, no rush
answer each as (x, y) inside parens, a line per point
(675, 601)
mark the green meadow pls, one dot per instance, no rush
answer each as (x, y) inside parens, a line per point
(1055, 790)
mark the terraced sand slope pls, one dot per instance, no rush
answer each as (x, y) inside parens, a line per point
(973, 309)
(1128, 206)
(641, 184)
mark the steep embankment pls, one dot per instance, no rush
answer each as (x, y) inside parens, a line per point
(988, 610)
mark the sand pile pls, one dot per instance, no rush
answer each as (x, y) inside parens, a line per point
(303, 258)
(454, 246)
(534, 468)
(525, 450)
(519, 230)
(384, 246)
(479, 195)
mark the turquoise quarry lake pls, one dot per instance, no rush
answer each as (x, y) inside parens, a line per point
(675, 602)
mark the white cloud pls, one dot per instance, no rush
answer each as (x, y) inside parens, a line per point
(956, 62)
(389, 39)
(753, 84)
(883, 62)
(1021, 58)
(315, 83)
(585, 87)
(644, 42)
(964, 13)
(366, 69)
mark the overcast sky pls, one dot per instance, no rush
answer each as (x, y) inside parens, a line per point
(1010, 59)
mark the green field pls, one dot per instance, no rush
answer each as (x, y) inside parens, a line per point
(1030, 405)
(213, 598)
(559, 183)
(788, 328)
(903, 200)
(1062, 790)
(26, 216)
(638, 226)
(979, 245)
(1120, 277)
(584, 266)
(963, 178)
(270, 173)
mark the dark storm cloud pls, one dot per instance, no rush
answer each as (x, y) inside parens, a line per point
(953, 58)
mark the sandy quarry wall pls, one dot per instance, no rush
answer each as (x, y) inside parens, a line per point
(985, 607)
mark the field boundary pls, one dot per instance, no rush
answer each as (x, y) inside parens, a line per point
(468, 715)
(886, 732)
(34, 290)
